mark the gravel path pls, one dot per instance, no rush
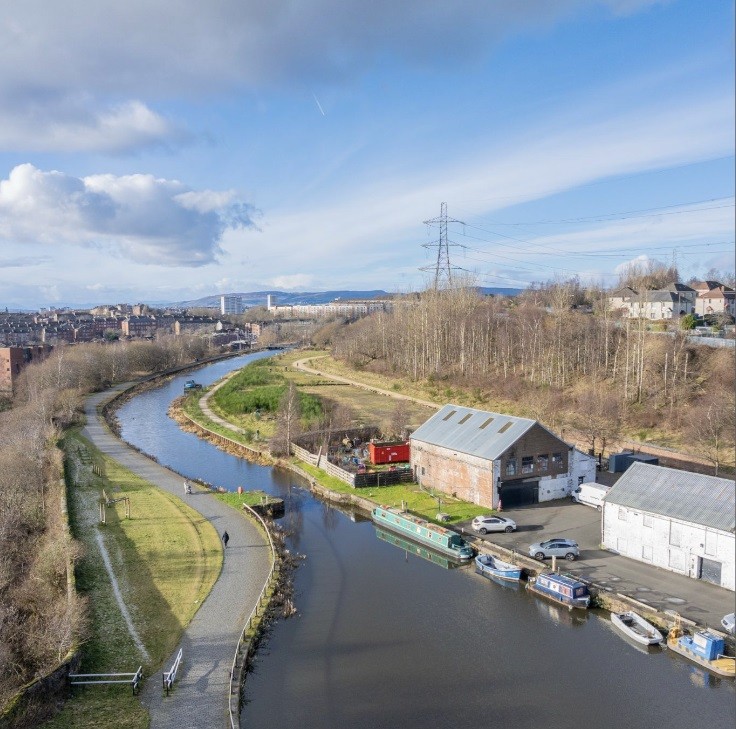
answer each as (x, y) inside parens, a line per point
(201, 694)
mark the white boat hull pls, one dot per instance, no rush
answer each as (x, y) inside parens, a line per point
(635, 627)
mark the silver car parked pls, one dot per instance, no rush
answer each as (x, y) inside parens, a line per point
(567, 548)
(493, 523)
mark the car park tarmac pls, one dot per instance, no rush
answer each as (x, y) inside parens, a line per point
(696, 600)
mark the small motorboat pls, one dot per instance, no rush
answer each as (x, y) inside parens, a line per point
(636, 627)
(703, 648)
(490, 566)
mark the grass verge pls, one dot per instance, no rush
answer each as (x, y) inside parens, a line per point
(417, 500)
(165, 558)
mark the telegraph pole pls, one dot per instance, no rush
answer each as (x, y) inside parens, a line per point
(442, 268)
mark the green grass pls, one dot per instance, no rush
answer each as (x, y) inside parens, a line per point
(166, 559)
(417, 500)
(236, 500)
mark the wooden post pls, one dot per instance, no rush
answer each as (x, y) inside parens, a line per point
(554, 563)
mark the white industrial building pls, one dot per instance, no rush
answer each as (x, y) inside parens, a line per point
(680, 521)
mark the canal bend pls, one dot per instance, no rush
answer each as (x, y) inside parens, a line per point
(385, 638)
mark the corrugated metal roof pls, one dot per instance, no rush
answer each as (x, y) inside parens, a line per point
(691, 497)
(475, 432)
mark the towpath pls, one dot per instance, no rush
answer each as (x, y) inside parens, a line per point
(201, 695)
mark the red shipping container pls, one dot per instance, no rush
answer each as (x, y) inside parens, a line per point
(389, 452)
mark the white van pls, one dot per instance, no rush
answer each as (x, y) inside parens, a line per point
(591, 494)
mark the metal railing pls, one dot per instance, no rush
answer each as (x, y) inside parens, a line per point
(170, 676)
(94, 679)
(234, 711)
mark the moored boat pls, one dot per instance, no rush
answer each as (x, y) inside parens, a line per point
(636, 627)
(490, 566)
(418, 550)
(702, 648)
(420, 530)
(561, 589)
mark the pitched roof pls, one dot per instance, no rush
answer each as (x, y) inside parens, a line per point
(677, 286)
(720, 292)
(474, 432)
(691, 497)
(706, 285)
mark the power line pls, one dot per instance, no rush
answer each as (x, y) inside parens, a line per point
(442, 268)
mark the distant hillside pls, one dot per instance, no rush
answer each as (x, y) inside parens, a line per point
(258, 298)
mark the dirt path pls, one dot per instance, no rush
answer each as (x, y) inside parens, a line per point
(301, 365)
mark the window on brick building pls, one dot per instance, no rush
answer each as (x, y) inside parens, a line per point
(542, 461)
(557, 459)
(511, 467)
(527, 464)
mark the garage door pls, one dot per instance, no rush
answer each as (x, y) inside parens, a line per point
(519, 493)
(710, 571)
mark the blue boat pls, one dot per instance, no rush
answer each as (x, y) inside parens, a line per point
(490, 566)
(561, 589)
(419, 530)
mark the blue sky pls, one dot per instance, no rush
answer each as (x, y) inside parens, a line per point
(154, 155)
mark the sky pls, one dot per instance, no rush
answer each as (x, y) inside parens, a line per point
(162, 152)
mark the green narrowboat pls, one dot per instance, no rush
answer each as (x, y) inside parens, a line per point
(419, 530)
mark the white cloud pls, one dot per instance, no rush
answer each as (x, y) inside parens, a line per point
(138, 217)
(73, 124)
(117, 47)
(292, 282)
(141, 49)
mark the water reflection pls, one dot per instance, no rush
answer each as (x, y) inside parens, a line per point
(630, 642)
(416, 550)
(384, 640)
(559, 614)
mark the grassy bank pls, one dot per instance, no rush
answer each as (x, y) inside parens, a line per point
(417, 500)
(165, 560)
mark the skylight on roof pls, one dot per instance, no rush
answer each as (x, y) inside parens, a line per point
(449, 415)
(505, 427)
(485, 423)
(464, 418)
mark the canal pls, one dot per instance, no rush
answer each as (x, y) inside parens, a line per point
(384, 638)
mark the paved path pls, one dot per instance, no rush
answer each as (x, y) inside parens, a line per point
(201, 694)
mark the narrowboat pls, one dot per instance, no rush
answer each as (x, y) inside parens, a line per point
(561, 589)
(490, 566)
(419, 530)
(417, 550)
(703, 648)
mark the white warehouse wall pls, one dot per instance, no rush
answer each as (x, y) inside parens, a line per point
(668, 543)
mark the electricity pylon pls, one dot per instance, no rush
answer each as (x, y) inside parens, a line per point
(442, 268)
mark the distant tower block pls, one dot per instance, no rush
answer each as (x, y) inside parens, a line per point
(231, 304)
(270, 302)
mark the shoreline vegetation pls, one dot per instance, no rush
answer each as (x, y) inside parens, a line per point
(145, 550)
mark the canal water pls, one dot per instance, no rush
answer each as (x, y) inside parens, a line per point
(386, 638)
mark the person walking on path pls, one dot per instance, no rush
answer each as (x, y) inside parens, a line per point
(225, 538)
(187, 487)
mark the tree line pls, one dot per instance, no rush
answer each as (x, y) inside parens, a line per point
(39, 619)
(585, 370)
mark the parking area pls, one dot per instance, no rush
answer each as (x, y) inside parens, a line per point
(700, 601)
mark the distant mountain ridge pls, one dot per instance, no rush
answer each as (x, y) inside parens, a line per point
(284, 298)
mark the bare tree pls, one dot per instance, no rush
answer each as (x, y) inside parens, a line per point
(712, 426)
(288, 424)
